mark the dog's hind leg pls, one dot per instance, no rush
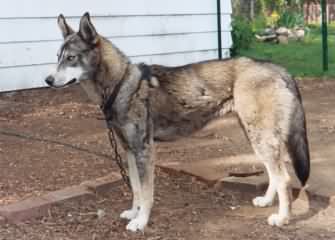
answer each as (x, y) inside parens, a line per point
(268, 151)
(266, 143)
(268, 155)
(270, 194)
(264, 113)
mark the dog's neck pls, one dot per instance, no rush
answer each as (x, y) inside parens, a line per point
(113, 62)
(112, 69)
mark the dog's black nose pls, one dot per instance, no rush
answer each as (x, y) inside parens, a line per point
(50, 80)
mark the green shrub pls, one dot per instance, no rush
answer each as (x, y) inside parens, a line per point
(290, 19)
(259, 23)
(242, 35)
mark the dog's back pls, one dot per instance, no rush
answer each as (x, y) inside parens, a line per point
(199, 92)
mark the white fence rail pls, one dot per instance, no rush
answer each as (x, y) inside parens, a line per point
(170, 32)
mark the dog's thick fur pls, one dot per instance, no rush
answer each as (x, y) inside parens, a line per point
(158, 102)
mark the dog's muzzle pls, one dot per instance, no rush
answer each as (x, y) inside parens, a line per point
(50, 81)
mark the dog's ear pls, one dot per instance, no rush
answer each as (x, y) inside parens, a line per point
(87, 30)
(64, 27)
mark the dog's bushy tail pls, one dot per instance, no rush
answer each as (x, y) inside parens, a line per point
(298, 147)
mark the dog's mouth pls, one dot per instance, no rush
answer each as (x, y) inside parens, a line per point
(73, 81)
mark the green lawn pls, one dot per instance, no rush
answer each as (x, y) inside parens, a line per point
(300, 58)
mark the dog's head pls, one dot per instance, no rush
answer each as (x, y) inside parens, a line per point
(78, 57)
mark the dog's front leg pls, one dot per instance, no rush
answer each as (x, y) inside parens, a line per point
(140, 149)
(142, 180)
(136, 188)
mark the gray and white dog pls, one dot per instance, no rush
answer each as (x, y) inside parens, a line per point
(157, 102)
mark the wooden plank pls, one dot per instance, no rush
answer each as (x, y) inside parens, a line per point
(19, 30)
(42, 8)
(45, 52)
(33, 76)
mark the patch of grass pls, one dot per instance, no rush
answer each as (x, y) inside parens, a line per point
(300, 58)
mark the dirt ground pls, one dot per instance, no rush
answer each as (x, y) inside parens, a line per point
(184, 209)
(51, 139)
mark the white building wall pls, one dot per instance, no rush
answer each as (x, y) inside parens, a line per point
(172, 32)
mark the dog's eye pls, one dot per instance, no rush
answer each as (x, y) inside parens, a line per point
(70, 58)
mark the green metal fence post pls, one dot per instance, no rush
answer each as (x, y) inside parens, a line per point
(219, 28)
(324, 35)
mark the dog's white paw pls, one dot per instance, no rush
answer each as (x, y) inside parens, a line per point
(129, 214)
(278, 220)
(261, 202)
(138, 223)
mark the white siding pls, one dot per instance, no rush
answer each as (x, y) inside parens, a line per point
(170, 32)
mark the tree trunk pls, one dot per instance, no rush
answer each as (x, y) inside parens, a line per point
(252, 9)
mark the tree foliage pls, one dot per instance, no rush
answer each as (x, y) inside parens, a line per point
(242, 35)
(266, 7)
(272, 5)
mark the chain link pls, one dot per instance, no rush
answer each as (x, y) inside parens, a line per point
(107, 100)
(117, 158)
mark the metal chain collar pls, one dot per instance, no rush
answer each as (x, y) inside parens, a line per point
(117, 157)
(106, 104)
(108, 100)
